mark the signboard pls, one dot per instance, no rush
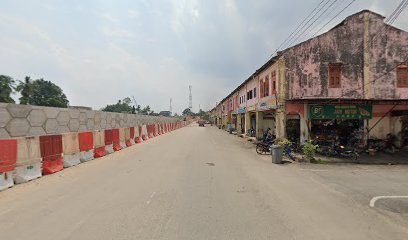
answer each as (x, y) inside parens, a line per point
(265, 104)
(241, 110)
(340, 111)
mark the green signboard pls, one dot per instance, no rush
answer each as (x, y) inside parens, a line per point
(340, 111)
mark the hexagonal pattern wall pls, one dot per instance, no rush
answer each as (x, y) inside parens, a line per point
(25, 120)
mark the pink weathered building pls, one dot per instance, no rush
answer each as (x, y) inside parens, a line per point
(353, 77)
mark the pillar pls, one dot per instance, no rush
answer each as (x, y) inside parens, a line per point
(239, 127)
(247, 121)
(259, 124)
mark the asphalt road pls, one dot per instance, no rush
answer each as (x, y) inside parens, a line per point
(202, 183)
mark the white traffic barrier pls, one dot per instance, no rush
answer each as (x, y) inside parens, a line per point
(109, 149)
(29, 161)
(99, 144)
(144, 132)
(6, 180)
(70, 146)
(86, 156)
(122, 138)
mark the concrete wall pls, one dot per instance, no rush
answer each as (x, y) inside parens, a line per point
(25, 120)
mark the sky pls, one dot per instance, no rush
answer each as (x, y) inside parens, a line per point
(100, 51)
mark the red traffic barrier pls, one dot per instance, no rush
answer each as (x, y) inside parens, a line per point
(108, 137)
(115, 138)
(8, 154)
(51, 152)
(85, 141)
(99, 152)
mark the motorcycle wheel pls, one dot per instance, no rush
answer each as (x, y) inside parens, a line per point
(260, 149)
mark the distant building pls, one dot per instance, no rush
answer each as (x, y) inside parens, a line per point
(165, 113)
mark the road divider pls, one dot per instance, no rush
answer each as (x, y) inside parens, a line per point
(26, 158)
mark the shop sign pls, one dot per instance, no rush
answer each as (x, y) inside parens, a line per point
(340, 111)
(266, 104)
(241, 110)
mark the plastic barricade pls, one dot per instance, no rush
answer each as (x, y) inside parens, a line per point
(132, 135)
(70, 146)
(122, 138)
(128, 138)
(51, 153)
(154, 130)
(8, 159)
(86, 146)
(109, 141)
(116, 139)
(137, 135)
(144, 133)
(29, 161)
(99, 144)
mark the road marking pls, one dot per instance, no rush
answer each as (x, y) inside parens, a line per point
(374, 199)
(150, 198)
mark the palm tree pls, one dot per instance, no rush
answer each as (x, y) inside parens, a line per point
(6, 89)
(26, 90)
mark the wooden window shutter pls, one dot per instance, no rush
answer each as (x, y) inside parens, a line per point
(334, 75)
(402, 75)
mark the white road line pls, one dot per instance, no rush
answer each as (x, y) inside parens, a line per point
(374, 199)
(150, 198)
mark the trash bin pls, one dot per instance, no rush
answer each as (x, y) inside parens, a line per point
(277, 152)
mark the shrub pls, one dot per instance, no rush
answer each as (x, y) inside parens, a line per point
(309, 149)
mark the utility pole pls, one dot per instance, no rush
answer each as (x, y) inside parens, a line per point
(171, 109)
(190, 103)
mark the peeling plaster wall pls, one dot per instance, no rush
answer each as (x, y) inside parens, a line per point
(388, 47)
(25, 120)
(307, 63)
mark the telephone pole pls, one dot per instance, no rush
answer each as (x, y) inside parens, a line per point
(190, 103)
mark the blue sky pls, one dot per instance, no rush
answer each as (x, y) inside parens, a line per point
(99, 51)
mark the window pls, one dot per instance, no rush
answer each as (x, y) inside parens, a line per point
(254, 92)
(274, 82)
(261, 88)
(334, 75)
(249, 95)
(266, 86)
(402, 75)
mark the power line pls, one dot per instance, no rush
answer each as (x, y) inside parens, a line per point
(314, 21)
(297, 28)
(335, 16)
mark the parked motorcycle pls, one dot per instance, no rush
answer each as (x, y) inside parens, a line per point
(338, 150)
(263, 147)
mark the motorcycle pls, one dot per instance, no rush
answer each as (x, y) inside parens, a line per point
(264, 147)
(337, 150)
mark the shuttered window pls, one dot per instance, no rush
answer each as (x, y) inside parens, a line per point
(402, 75)
(335, 75)
(261, 88)
(274, 82)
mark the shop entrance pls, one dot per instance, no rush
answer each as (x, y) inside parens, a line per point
(344, 131)
(269, 122)
(404, 131)
(293, 128)
(242, 123)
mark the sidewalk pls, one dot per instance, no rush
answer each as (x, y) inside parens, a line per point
(400, 157)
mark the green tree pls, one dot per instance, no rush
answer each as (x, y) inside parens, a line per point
(6, 89)
(138, 108)
(25, 88)
(120, 107)
(146, 110)
(46, 93)
(187, 112)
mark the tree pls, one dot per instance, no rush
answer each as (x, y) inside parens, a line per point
(46, 93)
(187, 112)
(25, 88)
(6, 89)
(146, 110)
(120, 107)
(138, 108)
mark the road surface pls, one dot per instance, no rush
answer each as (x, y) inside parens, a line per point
(202, 183)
